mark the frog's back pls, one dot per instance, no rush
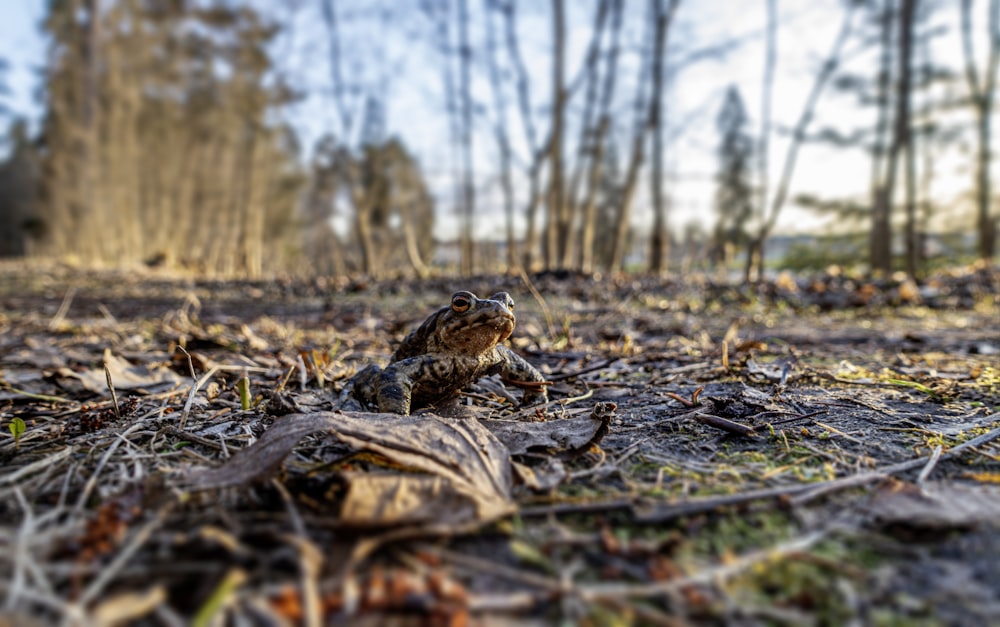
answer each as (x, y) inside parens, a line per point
(416, 343)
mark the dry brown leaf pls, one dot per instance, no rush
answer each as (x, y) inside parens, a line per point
(468, 470)
(935, 505)
(543, 476)
(124, 376)
(394, 499)
(571, 434)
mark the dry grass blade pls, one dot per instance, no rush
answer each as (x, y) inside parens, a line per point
(46, 462)
(111, 388)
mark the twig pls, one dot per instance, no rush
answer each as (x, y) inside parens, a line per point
(194, 390)
(693, 402)
(92, 481)
(863, 478)
(310, 566)
(569, 375)
(293, 513)
(931, 463)
(794, 418)
(45, 462)
(40, 397)
(579, 397)
(726, 425)
(204, 378)
(194, 377)
(598, 592)
(661, 512)
(24, 532)
(63, 309)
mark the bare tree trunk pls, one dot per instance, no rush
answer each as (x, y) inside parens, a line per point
(880, 244)
(530, 249)
(503, 142)
(659, 243)
(410, 238)
(982, 93)
(537, 155)
(644, 118)
(254, 184)
(755, 251)
(363, 226)
(333, 39)
(904, 123)
(468, 263)
(588, 227)
(102, 242)
(901, 121)
(755, 261)
(557, 230)
(588, 130)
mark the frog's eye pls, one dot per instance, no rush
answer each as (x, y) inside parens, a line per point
(504, 299)
(461, 302)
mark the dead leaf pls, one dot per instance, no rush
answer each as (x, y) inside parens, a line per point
(129, 606)
(574, 434)
(124, 375)
(935, 505)
(543, 476)
(468, 475)
(395, 499)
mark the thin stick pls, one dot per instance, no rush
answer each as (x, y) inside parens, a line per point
(43, 463)
(931, 463)
(568, 375)
(597, 592)
(805, 492)
(726, 425)
(63, 309)
(92, 481)
(40, 397)
(861, 479)
(194, 377)
(194, 390)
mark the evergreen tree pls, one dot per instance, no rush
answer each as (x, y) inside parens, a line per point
(734, 195)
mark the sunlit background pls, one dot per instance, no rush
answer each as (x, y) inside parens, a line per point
(340, 136)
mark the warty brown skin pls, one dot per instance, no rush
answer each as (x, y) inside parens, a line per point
(456, 346)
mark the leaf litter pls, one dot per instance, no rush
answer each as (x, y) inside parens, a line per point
(711, 453)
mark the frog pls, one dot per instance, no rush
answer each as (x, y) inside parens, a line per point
(456, 346)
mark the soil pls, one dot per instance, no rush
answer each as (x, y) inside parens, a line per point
(812, 450)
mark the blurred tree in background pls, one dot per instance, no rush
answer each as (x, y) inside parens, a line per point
(172, 131)
(734, 197)
(157, 140)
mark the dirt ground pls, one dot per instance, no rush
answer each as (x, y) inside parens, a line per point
(816, 450)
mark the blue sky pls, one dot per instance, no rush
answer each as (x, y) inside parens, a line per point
(409, 77)
(23, 49)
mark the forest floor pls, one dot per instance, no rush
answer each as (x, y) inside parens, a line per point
(812, 451)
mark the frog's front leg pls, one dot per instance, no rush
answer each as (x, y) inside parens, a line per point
(396, 382)
(359, 393)
(515, 368)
